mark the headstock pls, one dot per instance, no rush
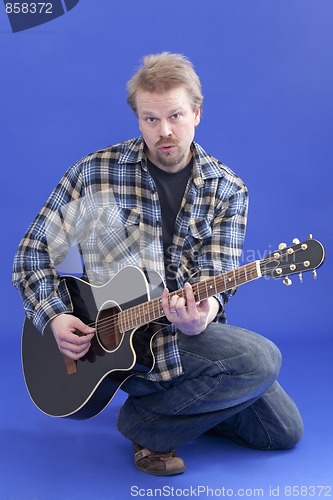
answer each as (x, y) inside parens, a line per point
(295, 259)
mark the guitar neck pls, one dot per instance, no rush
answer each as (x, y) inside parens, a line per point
(152, 310)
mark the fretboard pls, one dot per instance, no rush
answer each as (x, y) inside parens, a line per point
(152, 310)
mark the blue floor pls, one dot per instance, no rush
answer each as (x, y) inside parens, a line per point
(42, 458)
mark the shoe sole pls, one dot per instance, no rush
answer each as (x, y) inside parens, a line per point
(162, 473)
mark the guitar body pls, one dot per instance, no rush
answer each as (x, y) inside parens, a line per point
(112, 358)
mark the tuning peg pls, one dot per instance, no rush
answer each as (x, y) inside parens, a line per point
(300, 277)
(310, 236)
(282, 246)
(296, 241)
(287, 281)
(314, 274)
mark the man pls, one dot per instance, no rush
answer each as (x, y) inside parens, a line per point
(161, 202)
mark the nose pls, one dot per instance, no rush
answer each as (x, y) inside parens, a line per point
(165, 128)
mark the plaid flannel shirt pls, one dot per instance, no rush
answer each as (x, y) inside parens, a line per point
(107, 204)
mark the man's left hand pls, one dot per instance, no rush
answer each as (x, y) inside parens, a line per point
(188, 315)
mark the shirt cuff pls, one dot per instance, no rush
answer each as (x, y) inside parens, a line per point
(48, 310)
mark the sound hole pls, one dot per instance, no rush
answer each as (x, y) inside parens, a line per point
(107, 327)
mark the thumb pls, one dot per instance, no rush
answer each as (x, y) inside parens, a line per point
(82, 327)
(204, 305)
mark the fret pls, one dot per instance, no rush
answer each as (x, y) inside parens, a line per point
(141, 312)
(206, 287)
(129, 315)
(129, 320)
(224, 278)
(160, 311)
(150, 310)
(122, 321)
(198, 292)
(137, 314)
(237, 276)
(234, 272)
(145, 312)
(119, 322)
(211, 287)
(230, 280)
(157, 310)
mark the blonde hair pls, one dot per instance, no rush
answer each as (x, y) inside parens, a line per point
(163, 72)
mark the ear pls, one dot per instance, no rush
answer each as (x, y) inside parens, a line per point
(197, 116)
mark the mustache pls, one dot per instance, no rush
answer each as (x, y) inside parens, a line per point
(166, 141)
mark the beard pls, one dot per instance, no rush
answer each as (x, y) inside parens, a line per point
(171, 159)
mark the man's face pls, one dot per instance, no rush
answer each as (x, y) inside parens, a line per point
(167, 123)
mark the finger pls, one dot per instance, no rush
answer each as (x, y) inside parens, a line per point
(75, 352)
(191, 304)
(180, 307)
(174, 303)
(82, 340)
(69, 339)
(82, 327)
(73, 348)
(165, 300)
(168, 301)
(64, 326)
(168, 309)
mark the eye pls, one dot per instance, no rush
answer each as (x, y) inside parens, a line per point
(175, 116)
(150, 119)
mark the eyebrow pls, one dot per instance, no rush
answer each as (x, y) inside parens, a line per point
(147, 113)
(172, 112)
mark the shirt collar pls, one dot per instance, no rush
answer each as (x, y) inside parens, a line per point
(133, 152)
(204, 165)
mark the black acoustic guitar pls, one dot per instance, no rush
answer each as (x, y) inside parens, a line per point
(127, 314)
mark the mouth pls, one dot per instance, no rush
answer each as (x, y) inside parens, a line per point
(167, 148)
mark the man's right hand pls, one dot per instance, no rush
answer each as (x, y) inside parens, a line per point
(70, 343)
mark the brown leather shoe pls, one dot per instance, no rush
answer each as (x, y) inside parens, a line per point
(158, 463)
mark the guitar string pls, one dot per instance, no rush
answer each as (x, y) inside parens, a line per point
(104, 325)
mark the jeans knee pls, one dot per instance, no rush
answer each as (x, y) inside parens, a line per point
(268, 360)
(275, 357)
(294, 437)
(289, 435)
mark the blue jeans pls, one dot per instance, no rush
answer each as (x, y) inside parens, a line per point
(228, 388)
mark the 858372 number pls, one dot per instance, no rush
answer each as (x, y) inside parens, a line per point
(308, 491)
(29, 8)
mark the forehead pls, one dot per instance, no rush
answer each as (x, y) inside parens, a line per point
(163, 102)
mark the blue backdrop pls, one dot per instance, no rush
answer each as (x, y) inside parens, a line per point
(267, 74)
